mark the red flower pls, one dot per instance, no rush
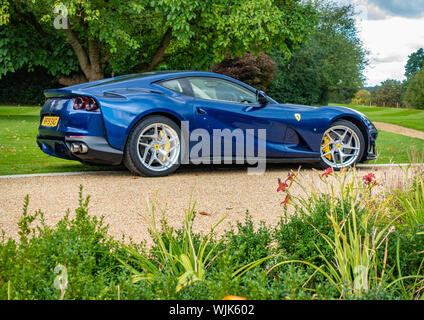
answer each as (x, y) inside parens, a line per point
(286, 201)
(328, 172)
(369, 178)
(282, 187)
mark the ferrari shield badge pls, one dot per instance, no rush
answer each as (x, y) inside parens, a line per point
(298, 116)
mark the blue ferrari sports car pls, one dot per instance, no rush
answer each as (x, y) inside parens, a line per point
(153, 122)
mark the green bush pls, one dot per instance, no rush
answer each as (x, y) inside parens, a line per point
(98, 266)
(26, 88)
(80, 244)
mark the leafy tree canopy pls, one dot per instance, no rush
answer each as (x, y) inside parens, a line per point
(362, 98)
(388, 94)
(112, 36)
(331, 60)
(414, 95)
(415, 63)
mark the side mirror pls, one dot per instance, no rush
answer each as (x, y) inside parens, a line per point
(261, 97)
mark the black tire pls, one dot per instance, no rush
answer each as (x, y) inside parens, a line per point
(131, 159)
(358, 132)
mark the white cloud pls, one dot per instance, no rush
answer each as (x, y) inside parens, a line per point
(402, 8)
(390, 42)
(375, 13)
(388, 35)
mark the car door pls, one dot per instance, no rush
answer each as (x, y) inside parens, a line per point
(220, 104)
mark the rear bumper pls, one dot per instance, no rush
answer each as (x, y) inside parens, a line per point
(98, 149)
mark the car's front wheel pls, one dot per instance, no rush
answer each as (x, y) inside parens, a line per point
(153, 147)
(342, 145)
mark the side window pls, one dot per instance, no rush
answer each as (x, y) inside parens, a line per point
(221, 90)
(173, 85)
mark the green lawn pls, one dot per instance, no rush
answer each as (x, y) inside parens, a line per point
(20, 154)
(410, 118)
(396, 148)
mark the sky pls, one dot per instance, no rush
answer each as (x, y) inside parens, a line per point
(390, 30)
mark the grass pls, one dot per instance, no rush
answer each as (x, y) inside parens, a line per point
(396, 148)
(19, 153)
(409, 118)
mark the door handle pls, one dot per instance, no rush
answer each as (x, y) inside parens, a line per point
(201, 110)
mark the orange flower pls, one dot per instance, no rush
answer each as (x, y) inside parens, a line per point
(286, 201)
(234, 298)
(290, 177)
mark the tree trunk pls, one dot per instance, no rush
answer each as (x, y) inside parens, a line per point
(72, 79)
(90, 64)
(159, 54)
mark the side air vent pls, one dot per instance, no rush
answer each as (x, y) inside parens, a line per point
(113, 95)
(292, 137)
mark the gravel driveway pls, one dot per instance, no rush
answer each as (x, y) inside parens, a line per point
(399, 130)
(121, 197)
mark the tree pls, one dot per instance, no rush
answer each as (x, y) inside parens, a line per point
(362, 98)
(415, 63)
(112, 36)
(255, 71)
(414, 95)
(389, 94)
(331, 61)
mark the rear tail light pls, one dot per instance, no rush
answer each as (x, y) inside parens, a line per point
(86, 103)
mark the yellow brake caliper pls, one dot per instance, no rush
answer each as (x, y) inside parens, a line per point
(326, 141)
(167, 146)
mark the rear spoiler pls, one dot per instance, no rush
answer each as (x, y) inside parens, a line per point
(120, 93)
(67, 93)
(63, 93)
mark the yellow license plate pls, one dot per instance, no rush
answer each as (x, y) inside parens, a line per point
(50, 121)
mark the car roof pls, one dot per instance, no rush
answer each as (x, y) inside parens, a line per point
(147, 78)
(155, 76)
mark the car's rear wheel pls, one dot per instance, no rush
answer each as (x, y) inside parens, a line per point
(153, 147)
(342, 145)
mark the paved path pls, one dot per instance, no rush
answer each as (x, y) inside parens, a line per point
(399, 130)
(121, 197)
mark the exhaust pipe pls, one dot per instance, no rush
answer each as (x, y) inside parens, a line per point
(74, 147)
(83, 148)
(78, 147)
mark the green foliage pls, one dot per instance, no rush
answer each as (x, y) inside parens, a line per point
(362, 98)
(247, 244)
(415, 63)
(179, 254)
(23, 87)
(388, 94)
(330, 62)
(80, 244)
(411, 202)
(22, 47)
(298, 237)
(414, 95)
(125, 36)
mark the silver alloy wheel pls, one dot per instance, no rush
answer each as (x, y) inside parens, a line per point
(158, 147)
(340, 147)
